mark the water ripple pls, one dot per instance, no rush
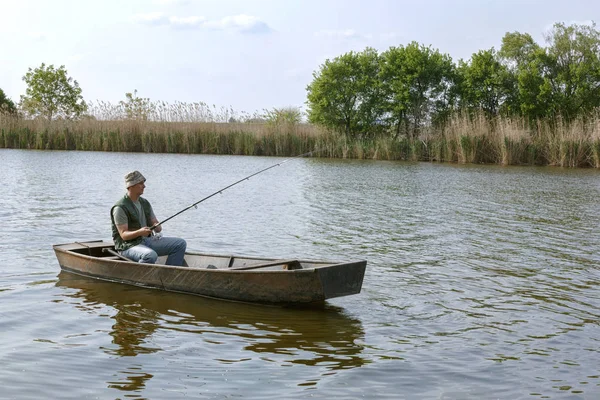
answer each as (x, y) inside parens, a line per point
(481, 283)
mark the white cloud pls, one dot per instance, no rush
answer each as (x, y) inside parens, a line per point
(186, 22)
(241, 23)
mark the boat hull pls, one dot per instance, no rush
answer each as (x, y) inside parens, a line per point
(314, 281)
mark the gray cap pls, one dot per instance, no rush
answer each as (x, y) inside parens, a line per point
(133, 178)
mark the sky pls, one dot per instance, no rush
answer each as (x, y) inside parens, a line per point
(249, 55)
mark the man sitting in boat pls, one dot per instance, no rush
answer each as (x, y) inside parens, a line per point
(131, 219)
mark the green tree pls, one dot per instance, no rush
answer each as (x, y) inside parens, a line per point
(52, 93)
(283, 116)
(418, 85)
(486, 84)
(345, 94)
(6, 104)
(561, 79)
(137, 108)
(529, 63)
(572, 78)
(533, 94)
(518, 49)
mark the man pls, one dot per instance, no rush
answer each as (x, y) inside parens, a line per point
(131, 219)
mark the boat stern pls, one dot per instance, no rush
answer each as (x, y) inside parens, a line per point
(342, 279)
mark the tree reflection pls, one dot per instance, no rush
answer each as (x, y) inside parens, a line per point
(324, 336)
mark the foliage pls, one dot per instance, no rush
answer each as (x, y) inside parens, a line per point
(486, 84)
(285, 115)
(562, 79)
(6, 104)
(417, 82)
(137, 108)
(573, 69)
(52, 93)
(517, 49)
(345, 94)
(409, 88)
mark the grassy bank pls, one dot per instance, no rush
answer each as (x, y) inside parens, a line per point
(463, 140)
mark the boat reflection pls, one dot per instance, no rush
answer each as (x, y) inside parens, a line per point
(323, 336)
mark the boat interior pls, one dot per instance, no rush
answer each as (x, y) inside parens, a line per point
(106, 250)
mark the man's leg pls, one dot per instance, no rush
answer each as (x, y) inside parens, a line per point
(171, 246)
(141, 253)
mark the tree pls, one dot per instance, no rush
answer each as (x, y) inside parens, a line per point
(345, 93)
(561, 79)
(486, 84)
(138, 108)
(572, 77)
(51, 93)
(528, 63)
(517, 49)
(418, 85)
(283, 116)
(6, 104)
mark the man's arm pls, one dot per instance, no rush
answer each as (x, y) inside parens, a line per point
(123, 227)
(126, 234)
(154, 221)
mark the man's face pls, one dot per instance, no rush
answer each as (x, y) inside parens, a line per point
(138, 188)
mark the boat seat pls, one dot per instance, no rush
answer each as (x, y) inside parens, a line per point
(111, 258)
(286, 264)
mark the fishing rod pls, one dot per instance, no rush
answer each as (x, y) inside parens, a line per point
(227, 187)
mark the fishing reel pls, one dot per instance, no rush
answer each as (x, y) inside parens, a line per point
(156, 235)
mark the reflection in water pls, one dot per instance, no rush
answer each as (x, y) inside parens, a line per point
(322, 336)
(131, 329)
(134, 381)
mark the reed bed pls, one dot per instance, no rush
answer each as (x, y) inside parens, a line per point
(516, 141)
(464, 138)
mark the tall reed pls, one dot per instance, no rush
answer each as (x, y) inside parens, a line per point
(199, 129)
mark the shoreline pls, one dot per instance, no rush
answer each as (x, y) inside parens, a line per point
(462, 140)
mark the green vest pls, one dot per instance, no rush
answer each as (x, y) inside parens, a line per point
(133, 221)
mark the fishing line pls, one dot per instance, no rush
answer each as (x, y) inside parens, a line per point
(195, 205)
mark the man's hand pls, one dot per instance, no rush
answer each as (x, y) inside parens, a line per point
(155, 225)
(144, 232)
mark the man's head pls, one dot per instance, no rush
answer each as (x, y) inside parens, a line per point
(133, 178)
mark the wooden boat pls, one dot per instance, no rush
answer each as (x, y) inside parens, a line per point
(238, 278)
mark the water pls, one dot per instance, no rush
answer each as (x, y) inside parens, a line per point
(482, 281)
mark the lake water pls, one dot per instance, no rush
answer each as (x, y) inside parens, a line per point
(482, 281)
